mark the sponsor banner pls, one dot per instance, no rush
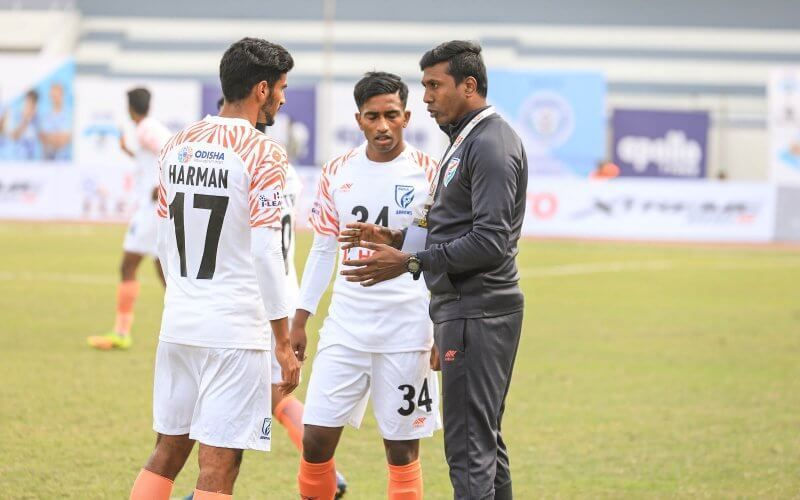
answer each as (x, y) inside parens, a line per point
(101, 115)
(295, 125)
(36, 108)
(63, 191)
(637, 209)
(650, 210)
(343, 134)
(559, 116)
(784, 125)
(649, 143)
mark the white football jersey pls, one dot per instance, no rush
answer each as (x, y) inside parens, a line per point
(219, 178)
(151, 136)
(291, 193)
(391, 316)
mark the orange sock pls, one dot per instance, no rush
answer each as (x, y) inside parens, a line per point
(289, 413)
(127, 291)
(151, 486)
(208, 495)
(317, 481)
(405, 481)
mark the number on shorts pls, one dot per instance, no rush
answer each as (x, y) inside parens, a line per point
(409, 392)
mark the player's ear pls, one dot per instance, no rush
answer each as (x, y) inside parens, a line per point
(262, 89)
(470, 86)
(407, 118)
(358, 120)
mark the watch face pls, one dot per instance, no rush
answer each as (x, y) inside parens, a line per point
(413, 265)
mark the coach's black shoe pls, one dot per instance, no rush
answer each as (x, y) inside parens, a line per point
(341, 485)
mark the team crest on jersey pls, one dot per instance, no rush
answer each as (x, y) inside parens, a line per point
(451, 170)
(185, 154)
(266, 428)
(403, 195)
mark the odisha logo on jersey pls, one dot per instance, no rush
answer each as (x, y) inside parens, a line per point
(403, 195)
(184, 154)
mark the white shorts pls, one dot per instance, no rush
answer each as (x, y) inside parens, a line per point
(405, 391)
(142, 235)
(220, 397)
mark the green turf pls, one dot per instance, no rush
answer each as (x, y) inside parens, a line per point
(644, 371)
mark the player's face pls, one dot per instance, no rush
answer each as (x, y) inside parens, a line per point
(446, 101)
(275, 99)
(382, 118)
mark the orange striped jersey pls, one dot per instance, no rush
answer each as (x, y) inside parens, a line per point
(218, 179)
(390, 316)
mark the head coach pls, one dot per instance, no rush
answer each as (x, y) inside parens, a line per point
(465, 243)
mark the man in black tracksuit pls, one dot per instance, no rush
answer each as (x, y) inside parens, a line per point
(469, 264)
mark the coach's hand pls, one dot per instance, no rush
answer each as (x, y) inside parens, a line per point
(384, 264)
(359, 232)
(436, 363)
(290, 367)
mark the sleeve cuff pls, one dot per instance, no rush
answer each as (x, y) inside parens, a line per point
(425, 260)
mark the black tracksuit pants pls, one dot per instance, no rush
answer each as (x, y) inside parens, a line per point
(477, 357)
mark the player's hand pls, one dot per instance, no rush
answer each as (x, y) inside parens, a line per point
(290, 367)
(384, 264)
(436, 363)
(358, 232)
(298, 340)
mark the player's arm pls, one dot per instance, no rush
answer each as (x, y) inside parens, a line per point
(267, 252)
(163, 222)
(267, 183)
(317, 273)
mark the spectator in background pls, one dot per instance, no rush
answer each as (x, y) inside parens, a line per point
(605, 170)
(56, 127)
(25, 134)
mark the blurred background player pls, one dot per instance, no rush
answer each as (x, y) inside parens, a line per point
(372, 341)
(221, 184)
(287, 409)
(140, 240)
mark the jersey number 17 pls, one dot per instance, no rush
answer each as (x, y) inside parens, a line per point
(218, 206)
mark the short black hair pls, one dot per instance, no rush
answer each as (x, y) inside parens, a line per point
(249, 61)
(32, 95)
(379, 83)
(464, 58)
(220, 102)
(139, 100)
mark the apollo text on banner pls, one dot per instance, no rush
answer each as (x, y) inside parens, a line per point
(653, 143)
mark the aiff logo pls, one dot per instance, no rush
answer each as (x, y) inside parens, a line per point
(403, 195)
(266, 428)
(184, 154)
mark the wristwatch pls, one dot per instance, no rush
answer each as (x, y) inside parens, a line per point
(414, 266)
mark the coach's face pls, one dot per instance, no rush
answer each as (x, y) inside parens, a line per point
(275, 98)
(446, 101)
(382, 118)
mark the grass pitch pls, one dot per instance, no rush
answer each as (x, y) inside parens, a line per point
(644, 371)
